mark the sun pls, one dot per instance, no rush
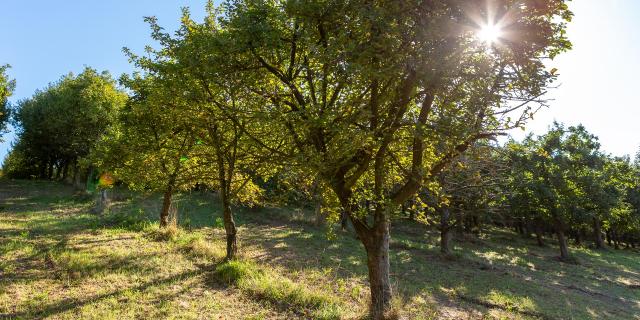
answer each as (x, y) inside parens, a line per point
(489, 33)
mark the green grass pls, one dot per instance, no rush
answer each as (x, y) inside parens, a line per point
(269, 285)
(60, 261)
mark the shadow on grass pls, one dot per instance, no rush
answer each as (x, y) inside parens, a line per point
(70, 304)
(498, 271)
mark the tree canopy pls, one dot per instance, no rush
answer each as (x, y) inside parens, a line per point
(58, 126)
(6, 89)
(377, 97)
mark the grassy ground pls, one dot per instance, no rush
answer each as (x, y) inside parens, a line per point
(57, 260)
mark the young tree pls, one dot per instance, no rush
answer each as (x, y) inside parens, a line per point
(152, 145)
(377, 97)
(218, 108)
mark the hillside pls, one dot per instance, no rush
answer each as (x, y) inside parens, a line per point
(61, 261)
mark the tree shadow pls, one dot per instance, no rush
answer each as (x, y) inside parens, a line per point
(508, 275)
(70, 304)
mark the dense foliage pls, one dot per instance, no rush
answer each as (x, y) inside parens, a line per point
(561, 181)
(58, 126)
(6, 89)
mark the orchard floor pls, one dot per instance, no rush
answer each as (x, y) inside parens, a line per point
(60, 261)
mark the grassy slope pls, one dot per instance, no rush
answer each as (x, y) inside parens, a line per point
(60, 261)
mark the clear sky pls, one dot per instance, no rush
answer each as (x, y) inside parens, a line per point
(43, 39)
(599, 81)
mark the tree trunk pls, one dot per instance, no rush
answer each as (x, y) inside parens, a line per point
(468, 225)
(74, 175)
(318, 201)
(460, 225)
(78, 178)
(88, 178)
(445, 240)
(58, 172)
(597, 230)
(104, 197)
(318, 212)
(377, 248)
(50, 171)
(519, 227)
(539, 239)
(344, 220)
(578, 238)
(562, 241)
(445, 234)
(539, 235)
(375, 239)
(616, 240)
(102, 203)
(43, 169)
(475, 220)
(227, 215)
(65, 171)
(229, 226)
(166, 205)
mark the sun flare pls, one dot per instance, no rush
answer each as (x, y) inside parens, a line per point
(489, 33)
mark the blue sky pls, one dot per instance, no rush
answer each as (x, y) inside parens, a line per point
(43, 40)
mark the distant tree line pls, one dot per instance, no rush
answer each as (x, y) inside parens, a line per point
(58, 126)
(559, 184)
(562, 183)
(368, 110)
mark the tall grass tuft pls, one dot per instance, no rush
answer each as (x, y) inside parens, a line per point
(268, 285)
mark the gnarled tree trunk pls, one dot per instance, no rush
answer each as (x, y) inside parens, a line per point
(377, 247)
(597, 231)
(375, 239)
(166, 206)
